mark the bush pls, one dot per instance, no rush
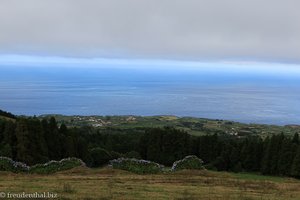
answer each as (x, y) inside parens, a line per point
(189, 162)
(133, 154)
(99, 157)
(55, 166)
(115, 155)
(210, 166)
(7, 164)
(136, 166)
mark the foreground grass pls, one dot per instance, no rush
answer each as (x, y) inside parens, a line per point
(105, 183)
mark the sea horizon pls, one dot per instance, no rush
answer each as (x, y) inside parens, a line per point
(236, 96)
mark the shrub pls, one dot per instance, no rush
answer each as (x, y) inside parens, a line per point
(210, 166)
(136, 166)
(55, 166)
(189, 162)
(99, 157)
(133, 154)
(115, 155)
(7, 164)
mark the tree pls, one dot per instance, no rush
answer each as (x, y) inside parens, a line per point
(7, 114)
(295, 171)
(285, 158)
(209, 148)
(82, 149)
(38, 144)
(133, 154)
(69, 147)
(164, 145)
(271, 155)
(9, 140)
(234, 159)
(296, 138)
(23, 142)
(222, 162)
(99, 157)
(53, 139)
(6, 150)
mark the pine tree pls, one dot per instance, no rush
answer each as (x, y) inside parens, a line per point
(38, 147)
(2, 126)
(8, 142)
(69, 147)
(23, 142)
(271, 155)
(53, 139)
(234, 158)
(295, 171)
(6, 150)
(267, 156)
(285, 157)
(296, 138)
(82, 149)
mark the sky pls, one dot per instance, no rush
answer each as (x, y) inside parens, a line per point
(186, 30)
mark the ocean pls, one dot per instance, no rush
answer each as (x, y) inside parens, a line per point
(242, 97)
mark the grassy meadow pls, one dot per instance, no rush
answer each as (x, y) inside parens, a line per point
(106, 183)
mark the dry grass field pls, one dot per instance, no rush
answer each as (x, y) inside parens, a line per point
(106, 183)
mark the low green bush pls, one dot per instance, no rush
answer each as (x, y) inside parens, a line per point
(189, 162)
(133, 154)
(55, 166)
(99, 157)
(136, 166)
(7, 164)
(115, 155)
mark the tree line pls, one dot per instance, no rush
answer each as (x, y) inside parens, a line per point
(33, 141)
(275, 155)
(7, 114)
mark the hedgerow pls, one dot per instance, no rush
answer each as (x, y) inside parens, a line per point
(7, 164)
(136, 166)
(189, 162)
(55, 166)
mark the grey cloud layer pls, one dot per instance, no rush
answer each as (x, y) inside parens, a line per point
(181, 29)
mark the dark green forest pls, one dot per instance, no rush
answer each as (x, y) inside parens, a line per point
(31, 140)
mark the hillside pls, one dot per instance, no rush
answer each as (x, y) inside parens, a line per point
(7, 115)
(194, 126)
(222, 145)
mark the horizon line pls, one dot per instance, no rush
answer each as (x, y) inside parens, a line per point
(25, 60)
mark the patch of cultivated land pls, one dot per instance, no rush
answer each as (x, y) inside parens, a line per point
(106, 183)
(193, 126)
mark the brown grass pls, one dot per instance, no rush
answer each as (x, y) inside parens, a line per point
(105, 183)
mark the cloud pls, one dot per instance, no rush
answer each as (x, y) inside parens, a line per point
(252, 30)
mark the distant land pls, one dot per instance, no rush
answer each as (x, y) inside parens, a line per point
(192, 125)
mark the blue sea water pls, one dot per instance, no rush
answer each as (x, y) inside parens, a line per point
(243, 97)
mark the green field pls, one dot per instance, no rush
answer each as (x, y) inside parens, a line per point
(106, 183)
(193, 126)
